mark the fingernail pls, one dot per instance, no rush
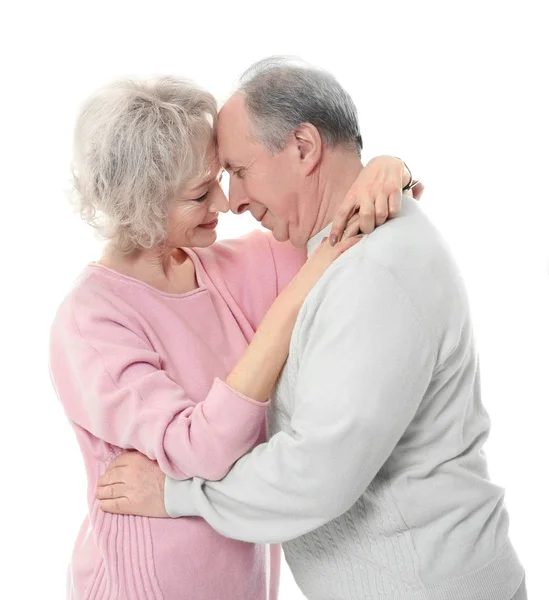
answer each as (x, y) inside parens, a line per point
(333, 240)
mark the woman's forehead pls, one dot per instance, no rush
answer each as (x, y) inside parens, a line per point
(212, 171)
(212, 159)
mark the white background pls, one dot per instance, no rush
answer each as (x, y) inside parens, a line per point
(454, 88)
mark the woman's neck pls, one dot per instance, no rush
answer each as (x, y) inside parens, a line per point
(168, 270)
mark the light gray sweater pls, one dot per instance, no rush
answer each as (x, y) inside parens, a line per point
(374, 475)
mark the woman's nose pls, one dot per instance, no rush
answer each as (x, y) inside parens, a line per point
(219, 201)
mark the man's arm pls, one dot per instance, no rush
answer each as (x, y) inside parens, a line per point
(366, 360)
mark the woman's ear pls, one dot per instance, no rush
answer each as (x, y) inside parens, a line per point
(309, 145)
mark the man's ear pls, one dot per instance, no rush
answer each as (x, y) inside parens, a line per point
(309, 145)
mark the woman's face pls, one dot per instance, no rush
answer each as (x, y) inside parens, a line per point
(192, 218)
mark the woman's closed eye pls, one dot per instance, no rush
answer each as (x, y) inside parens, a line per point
(201, 199)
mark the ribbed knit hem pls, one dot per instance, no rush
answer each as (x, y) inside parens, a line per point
(178, 498)
(498, 580)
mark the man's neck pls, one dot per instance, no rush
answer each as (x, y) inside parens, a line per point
(338, 172)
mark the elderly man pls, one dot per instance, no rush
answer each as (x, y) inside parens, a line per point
(374, 476)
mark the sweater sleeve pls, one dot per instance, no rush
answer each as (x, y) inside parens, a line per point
(365, 362)
(112, 384)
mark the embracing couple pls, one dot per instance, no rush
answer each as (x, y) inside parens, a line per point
(316, 385)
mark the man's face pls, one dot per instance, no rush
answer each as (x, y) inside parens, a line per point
(265, 184)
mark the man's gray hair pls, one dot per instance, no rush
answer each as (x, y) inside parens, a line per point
(281, 95)
(135, 144)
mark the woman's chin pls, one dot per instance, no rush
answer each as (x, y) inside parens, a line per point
(204, 238)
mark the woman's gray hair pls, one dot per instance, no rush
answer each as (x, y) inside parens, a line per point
(135, 144)
(281, 95)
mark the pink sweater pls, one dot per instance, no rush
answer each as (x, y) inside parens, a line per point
(138, 368)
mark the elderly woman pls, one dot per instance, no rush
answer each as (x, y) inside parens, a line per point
(170, 344)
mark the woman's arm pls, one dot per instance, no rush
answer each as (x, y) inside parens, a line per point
(112, 384)
(258, 369)
(375, 197)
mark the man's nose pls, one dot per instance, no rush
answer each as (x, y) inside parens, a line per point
(238, 200)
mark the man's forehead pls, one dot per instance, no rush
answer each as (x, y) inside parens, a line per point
(223, 154)
(232, 127)
(235, 105)
(233, 117)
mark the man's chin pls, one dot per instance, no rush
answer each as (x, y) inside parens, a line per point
(280, 236)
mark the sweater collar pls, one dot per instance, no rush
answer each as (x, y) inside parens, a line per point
(314, 242)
